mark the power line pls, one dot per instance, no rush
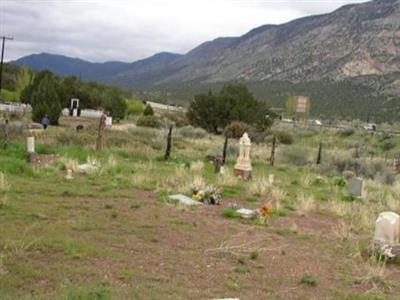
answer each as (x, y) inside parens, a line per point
(4, 38)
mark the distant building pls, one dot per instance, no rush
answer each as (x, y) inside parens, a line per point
(161, 106)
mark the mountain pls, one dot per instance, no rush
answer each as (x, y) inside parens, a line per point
(356, 47)
(355, 40)
(64, 65)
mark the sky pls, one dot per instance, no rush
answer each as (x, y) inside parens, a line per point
(128, 30)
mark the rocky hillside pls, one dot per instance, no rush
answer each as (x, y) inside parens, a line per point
(362, 39)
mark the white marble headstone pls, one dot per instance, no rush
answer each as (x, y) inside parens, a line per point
(387, 228)
(108, 121)
(31, 144)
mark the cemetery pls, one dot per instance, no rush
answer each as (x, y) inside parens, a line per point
(94, 210)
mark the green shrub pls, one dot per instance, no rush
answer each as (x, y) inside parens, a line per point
(386, 177)
(260, 136)
(148, 111)
(308, 279)
(242, 269)
(192, 133)
(388, 145)
(339, 181)
(178, 118)
(149, 121)
(307, 132)
(346, 132)
(14, 129)
(232, 150)
(295, 156)
(284, 137)
(254, 255)
(134, 107)
(230, 213)
(236, 129)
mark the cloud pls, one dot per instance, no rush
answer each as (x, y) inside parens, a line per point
(101, 30)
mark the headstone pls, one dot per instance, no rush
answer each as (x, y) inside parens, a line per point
(222, 170)
(356, 187)
(69, 175)
(184, 200)
(243, 164)
(87, 168)
(247, 213)
(271, 179)
(31, 144)
(108, 121)
(387, 229)
(75, 112)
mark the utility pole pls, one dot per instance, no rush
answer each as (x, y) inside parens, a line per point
(4, 38)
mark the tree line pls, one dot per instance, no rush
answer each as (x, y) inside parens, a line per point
(48, 94)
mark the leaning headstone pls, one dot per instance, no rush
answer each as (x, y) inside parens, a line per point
(184, 200)
(387, 229)
(243, 164)
(356, 187)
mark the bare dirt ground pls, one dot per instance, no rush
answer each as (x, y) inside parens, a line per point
(161, 251)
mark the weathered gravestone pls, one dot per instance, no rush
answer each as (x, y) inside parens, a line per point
(69, 175)
(108, 122)
(387, 228)
(356, 187)
(31, 144)
(243, 164)
(387, 234)
(30, 141)
(184, 200)
(271, 178)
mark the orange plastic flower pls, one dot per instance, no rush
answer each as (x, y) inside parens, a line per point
(265, 210)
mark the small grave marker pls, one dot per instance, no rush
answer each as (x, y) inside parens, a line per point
(356, 187)
(108, 122)
(184, 200)
(31, 144)
(387, 229)
(271, 179)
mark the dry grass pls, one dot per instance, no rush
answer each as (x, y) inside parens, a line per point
(197, 166)
(338, 208)
(305, 204)
(227, 179)
(259, 186)
(376, 274)
(4, 185)
(70, 164)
